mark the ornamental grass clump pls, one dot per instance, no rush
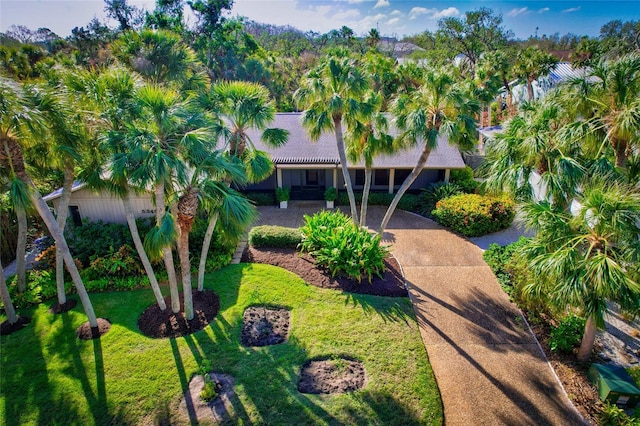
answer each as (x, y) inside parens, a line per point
(337, 244)
(473, 215)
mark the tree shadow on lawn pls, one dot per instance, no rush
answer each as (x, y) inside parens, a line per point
(392, 309)
(30, 373)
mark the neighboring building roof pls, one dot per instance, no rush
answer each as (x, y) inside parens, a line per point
(58, 192)
(399, 49)
(300, 150)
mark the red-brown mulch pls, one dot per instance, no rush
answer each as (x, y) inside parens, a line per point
(57, 308)
(7, 328)
(331, 376)
(391, 284)
(86, 332)
(159, 324)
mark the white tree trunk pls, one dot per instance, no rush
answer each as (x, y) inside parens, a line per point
(56, 233)
(166, 251)
(213, 219)
(405, 185)
(368, 173)
(137, 242)
(345, 171)
(588, 339)
(6, 299)
(63, 209)
(185, 267)
(21, 249)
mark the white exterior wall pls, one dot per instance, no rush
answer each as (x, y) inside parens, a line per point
(106, 207)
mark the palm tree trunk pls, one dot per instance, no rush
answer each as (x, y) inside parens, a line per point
(6, 300)
(137, 242)
(530, 89)
(620, 148)
(63, 208)
(213, 219)
(187, 209)
(167, 256)
(337, 121)
(42, 208)
(405, 185)
(368, 172)
(21, 249)
(588, 339)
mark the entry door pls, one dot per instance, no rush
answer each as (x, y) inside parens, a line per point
(312, 177)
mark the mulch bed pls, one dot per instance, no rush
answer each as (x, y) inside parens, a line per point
(86, 332)
(6, 328)
(262, 326)
(159, 324)
(193, 410)
(331, 376)
(57, 308)
(391, 284)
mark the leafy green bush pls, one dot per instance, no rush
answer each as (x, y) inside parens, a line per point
(275, 236)
(330, 194)
(499, 257)
(433, 193)
(261, 198)
(464, 179)
(123, 263)
(283, 194)
(339, 245)
(612, 415)
(474, 215)
(567, 334)
(96, 239)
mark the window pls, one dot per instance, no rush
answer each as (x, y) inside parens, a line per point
(381, 177)
(359, 177)
(74, 211)
(401, 175)
(312, 177)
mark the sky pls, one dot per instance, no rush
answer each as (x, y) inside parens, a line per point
(391, 17)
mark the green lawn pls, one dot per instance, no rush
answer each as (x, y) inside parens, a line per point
(48, 376)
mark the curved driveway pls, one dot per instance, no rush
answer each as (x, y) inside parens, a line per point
(488, 366)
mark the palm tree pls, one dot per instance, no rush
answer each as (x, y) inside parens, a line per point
(581, 261)
(439, 107)
(21, 123)
(503, 67)
(21, 205)
(614, 98)
(533, 63)
(366, 140)
(537, 140)
(331, 94)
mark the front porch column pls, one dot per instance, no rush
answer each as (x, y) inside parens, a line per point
(392, 178)
(447, 173)
(335, 178)
(279, 177)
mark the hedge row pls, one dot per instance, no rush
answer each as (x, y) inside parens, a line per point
(275, 236)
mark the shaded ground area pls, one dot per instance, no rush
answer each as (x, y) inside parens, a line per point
(337, 375)
(58, 308)
(7, 328)
(262, 326)
(390, 284)
(165, 324)
(193, 410)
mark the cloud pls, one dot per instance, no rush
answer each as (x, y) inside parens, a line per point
(417, 11)
(393, 21)
(381, 3)
(396, 13)
(356, 1)
(446, 13)
(572, 9)
(543, 10)
(516, 12)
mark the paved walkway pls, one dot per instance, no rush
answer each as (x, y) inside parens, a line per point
(488, 366)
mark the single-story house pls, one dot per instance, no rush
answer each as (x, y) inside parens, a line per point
(307, 168)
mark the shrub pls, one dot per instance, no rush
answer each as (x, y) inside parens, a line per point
(498, 258)
(330, 194)
(283, 194)
(612, 415)
(339, 245)
(261, 198)
(567, 334)
(474, 215)
(433, 193)
(96, 239)
(464, 179)
(123, 263)
(275, 236)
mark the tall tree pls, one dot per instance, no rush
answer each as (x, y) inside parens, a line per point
(9, 309)
(129, 17)
(331, 94)
(477, 32)
(582, 261)
(438, 110)
(21, 123)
